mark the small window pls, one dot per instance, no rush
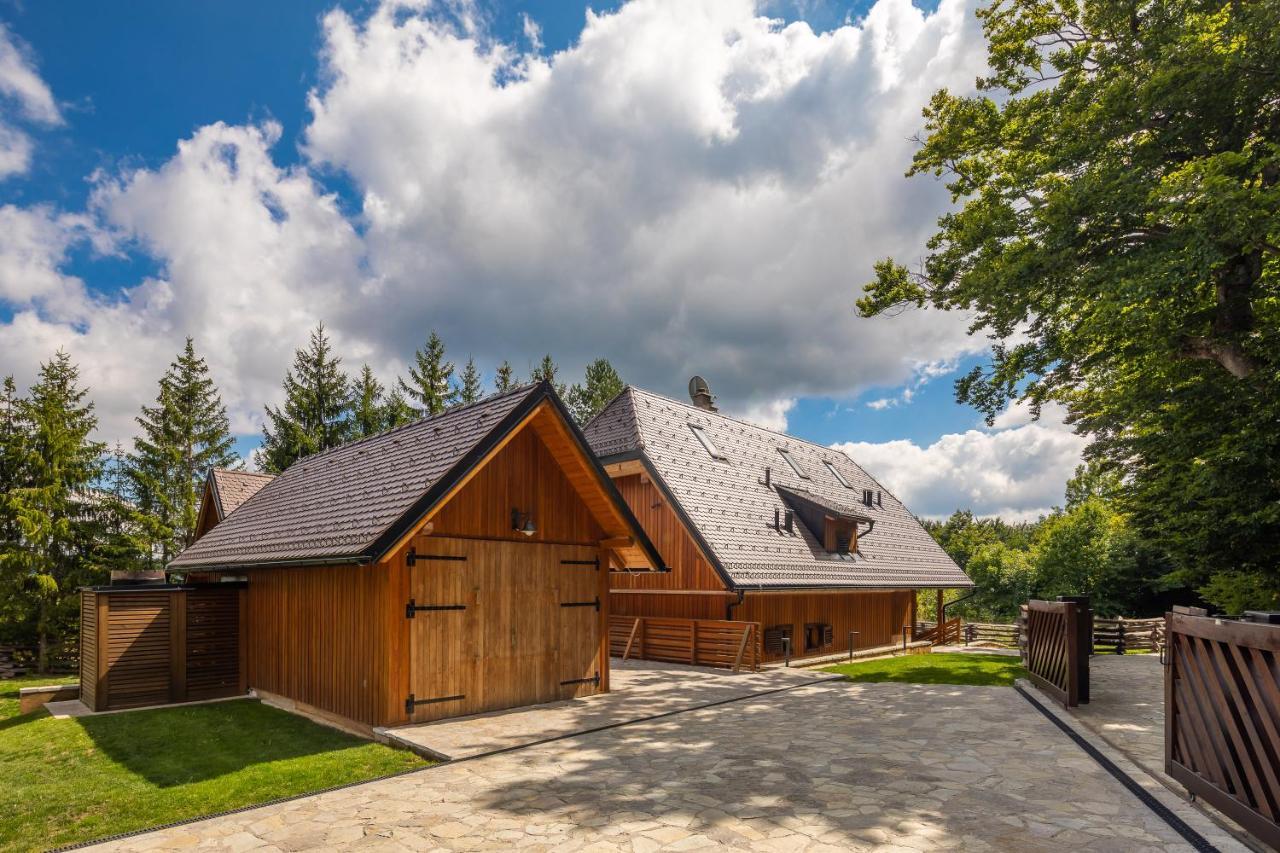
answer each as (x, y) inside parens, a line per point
(794, 467)
(818, 636)
(706, 442)
(836, 473)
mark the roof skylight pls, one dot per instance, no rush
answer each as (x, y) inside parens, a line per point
(794, 467)
(835, 472)
(707, 444)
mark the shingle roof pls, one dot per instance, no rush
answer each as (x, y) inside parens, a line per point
(232, 488)
(731, 508)
(341, 503)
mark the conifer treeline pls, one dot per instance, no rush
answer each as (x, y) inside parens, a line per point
(71, 509)
(325, 408)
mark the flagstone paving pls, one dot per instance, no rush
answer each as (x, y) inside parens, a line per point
(824, 767)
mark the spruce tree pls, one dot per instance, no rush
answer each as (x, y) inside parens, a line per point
(472, 389)
(315, 412)
(15, 612)
(546, 371)
(430, 386)
(397, 411)
(505, 378)
(600, 385)
(183, 435)
(368, 412)
(51, 507)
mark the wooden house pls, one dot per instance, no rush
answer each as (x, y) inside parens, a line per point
(758, 526)
(224, 491)
(454, 565)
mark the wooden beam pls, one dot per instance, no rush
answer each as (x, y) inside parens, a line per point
(624, 469)
(742, 647)
(618, 542)
(632, 638)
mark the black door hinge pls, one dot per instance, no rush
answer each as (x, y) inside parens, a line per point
(593, 563)
(413, 607)
(594, 603)
(593, 680)
(413, 557)
(413, 702)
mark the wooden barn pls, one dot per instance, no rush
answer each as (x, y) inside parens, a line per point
(761, 527)
(454, 565)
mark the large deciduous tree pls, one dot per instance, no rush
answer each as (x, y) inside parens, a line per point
(1117, 180)
(182, 436)
(315, 415)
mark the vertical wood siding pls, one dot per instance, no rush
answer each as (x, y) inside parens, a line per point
(878, 617)
(326, 636)
(689, 568)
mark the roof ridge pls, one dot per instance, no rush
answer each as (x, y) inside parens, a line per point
(497, 395)
(241, 471)
(742, 421)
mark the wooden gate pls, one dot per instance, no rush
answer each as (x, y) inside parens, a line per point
(1053, 649)
(501, 624)
(1222, 717)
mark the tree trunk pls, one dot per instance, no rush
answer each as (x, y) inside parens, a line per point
(42, 634)
(1233, 318)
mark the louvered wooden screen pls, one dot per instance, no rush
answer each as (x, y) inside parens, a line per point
(1222, 717)
(155, 645)
(1052, 652)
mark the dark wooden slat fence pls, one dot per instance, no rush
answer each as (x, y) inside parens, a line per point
(1052, 650)
(1222, 717)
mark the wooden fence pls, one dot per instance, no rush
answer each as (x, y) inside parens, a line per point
(1222, 717)
(951, 631)
(1125, 635)
(151, 645)
(703, 642)
(1052, 649)
(1110, 636)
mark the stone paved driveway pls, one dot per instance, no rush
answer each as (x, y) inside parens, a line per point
(833, 766)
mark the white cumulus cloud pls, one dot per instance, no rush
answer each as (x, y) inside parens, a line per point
(691, 187)
(24, 94)
(1016, 470)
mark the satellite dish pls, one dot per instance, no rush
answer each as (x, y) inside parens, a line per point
(700, 394)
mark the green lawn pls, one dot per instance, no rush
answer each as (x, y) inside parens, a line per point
(998, 670)
(72, 780)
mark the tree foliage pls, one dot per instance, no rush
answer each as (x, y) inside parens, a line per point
(316, 407)
(548, 371)
(183, 435)
(600, 385)
(50, 503)
(504, 378)
(1118, 183)
(430, 385)
(472, 388)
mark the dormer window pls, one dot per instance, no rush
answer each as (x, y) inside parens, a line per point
(706, 442)
(794, 466)
(835, 472)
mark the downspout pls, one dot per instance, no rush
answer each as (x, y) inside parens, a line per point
(942, 617)
(728, 608)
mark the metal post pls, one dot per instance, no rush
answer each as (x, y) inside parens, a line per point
(852, 634)
(786, 650)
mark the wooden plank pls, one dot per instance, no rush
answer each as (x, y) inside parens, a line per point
(742, 647)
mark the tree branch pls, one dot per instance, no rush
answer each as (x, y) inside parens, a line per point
(1231, 357)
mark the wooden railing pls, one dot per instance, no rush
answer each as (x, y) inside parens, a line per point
(1222, 717)
(702, 642)
(991, 632)
(951, 631)
(1052, 649)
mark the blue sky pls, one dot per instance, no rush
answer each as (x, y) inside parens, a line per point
(672, 205)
